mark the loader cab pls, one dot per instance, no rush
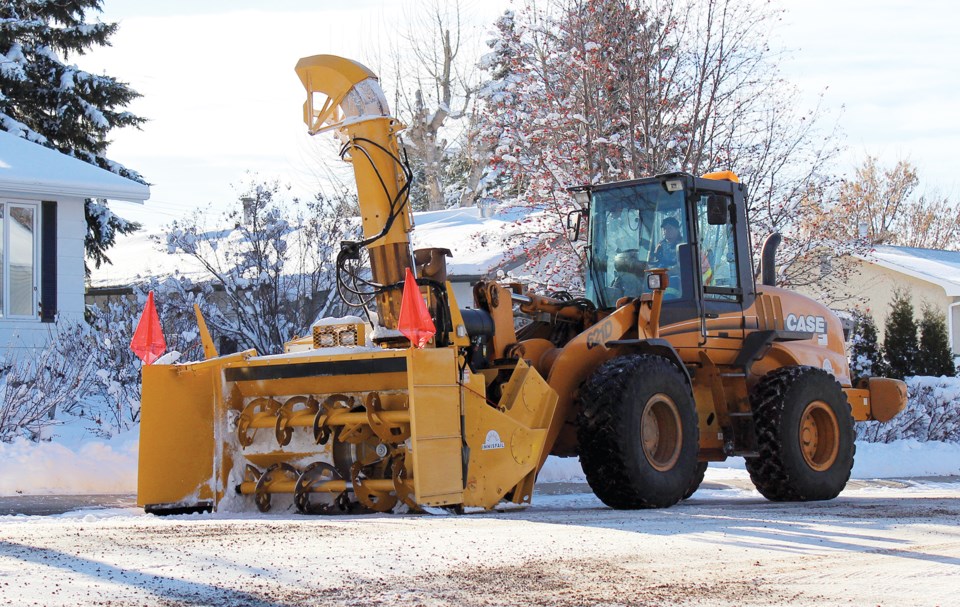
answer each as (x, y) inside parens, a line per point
(695, 228)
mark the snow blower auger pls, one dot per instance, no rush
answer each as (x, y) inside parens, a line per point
(675, 357)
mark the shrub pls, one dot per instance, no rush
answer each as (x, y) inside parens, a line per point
(935, 358)
(866, 357)
(900, 337)
(932, 414)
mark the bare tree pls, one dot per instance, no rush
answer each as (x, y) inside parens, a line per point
(881, 206)
(931, 221)
(270, 268)
(38, 385)
(435, 88)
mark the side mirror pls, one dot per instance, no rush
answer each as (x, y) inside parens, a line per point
(573, 224)
(717, 210)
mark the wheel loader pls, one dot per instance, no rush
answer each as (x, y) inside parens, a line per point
(675, 357)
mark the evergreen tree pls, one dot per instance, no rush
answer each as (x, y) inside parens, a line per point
(900, 337)
(46, 100)
(866, 359)
(935, 357)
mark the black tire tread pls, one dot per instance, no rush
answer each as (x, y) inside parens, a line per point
(603, 449)
(769, 471)
(697, 480)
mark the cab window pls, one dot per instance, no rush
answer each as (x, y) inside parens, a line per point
(718, 257)
(633, 229)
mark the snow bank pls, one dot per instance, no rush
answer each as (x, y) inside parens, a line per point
(561, 470)
(110, 466)
(905, 459)
(62, 468)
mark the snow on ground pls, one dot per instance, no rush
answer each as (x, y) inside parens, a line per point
(882, 542)
(79, 463)
(890, 539)
(878, 544)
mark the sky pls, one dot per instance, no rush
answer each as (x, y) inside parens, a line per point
(223, 101)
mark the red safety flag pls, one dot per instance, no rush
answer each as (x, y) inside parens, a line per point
(415, 322)
(148, 342)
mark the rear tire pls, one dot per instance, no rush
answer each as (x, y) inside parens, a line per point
(805, 436)
(638, 432)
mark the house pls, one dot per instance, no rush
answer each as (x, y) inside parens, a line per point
(470, 236)
(929, 276)
(42, 194)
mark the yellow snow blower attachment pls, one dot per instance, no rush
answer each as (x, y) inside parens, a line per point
(336, 424)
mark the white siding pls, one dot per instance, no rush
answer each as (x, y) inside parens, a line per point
(953, 325)
(71, 229)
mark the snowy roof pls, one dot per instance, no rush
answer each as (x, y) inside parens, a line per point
(32, 170)
(938, 267)
(465, 232)
(473, 241)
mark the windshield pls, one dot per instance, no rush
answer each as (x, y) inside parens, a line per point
(634, 228)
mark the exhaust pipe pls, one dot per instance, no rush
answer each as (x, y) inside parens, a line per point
(768, 256)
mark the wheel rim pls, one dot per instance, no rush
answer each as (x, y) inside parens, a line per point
(660, 432)
(819, 436)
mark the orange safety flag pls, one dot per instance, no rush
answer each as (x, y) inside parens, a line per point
(415, 322)
(148, 342)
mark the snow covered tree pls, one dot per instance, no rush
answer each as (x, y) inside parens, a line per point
(866, 359)
(591, 91)
(935, 357)
(270, 263)
(900, 337)
(38, 385)
(56, 104)
(931, 414)
(112, 400)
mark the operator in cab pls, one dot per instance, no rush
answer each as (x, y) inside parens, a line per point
(665, 255)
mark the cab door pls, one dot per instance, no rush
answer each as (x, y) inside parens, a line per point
(721, 269)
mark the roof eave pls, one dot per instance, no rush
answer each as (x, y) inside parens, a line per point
(34, 189)
(949, 288)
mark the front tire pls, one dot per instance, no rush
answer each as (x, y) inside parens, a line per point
(638, 433)
(805, 436)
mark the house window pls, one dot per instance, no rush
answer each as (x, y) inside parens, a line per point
(19, 252)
